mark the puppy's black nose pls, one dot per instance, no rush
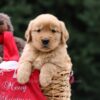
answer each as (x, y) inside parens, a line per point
(45, 42)
(1, 22)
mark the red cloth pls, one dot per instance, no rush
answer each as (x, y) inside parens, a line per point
(10, 51)
(10, 89)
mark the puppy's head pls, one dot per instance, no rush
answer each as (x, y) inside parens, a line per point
(46, 33)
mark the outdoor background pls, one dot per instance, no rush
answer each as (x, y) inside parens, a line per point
(82, 19)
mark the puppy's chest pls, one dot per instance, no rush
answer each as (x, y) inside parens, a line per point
(41, 60)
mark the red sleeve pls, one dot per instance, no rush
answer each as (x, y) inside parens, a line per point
(10, 49)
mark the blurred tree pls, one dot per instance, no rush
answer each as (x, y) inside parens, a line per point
(19, 12)
(91, 15)
(85, 39)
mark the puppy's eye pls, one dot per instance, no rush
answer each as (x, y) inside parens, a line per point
(38, 30)
(53, 30)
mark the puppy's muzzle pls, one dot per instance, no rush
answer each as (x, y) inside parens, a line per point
(45, 42)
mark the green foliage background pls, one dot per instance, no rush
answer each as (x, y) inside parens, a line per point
(82, 19)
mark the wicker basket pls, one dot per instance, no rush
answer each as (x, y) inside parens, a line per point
(60, 88)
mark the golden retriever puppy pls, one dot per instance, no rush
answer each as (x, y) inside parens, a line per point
(46, 50)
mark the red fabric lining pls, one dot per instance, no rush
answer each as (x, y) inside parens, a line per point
(10, 89)
(10, 51)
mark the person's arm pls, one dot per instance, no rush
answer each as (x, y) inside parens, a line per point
(1, 42)
(1, 59)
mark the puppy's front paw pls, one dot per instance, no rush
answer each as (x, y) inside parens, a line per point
(22, 77)
(45, 80)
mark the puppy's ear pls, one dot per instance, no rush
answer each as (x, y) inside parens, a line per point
(28, 32)
(65, 34)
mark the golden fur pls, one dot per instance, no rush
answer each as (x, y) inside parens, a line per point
(45, 50)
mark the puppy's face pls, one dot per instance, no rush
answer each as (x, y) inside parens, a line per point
(46, 33)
